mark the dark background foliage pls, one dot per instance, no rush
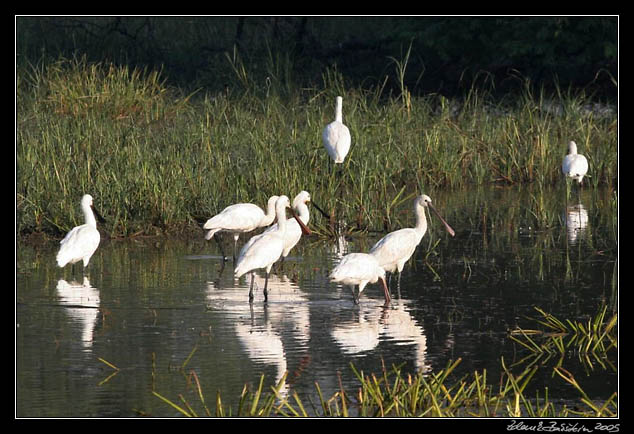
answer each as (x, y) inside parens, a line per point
(448, 54)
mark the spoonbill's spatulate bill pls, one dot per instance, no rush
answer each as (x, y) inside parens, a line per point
(240, 218)
(359, 269)
(396, 248)
(575, 165)
(82, 241)
(263, 250)
(336, 136)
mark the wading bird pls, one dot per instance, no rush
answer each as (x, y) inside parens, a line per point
(359, 269)
(294, 231)
(394, 250)
(237, 219)
(575, 165)
(336, 136)
(263, 250)
(82, 241)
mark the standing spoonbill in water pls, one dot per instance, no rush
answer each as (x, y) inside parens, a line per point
(394, 250)
(336, 136)
(82, 241)
(237, 219)
(359, 269)
(263, 250)
(294, 231)
(575, 165)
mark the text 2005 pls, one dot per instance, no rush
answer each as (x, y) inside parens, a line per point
(607, 428)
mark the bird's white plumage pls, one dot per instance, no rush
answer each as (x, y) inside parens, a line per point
(336, 135)
(293, 232)
(396, 248)
(263, 250)
(81, 242)
(240, 218)
(575, 165)
(359, 269)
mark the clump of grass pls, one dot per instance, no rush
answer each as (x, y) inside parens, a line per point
(158, 161)
(590, 340)
(392, 393)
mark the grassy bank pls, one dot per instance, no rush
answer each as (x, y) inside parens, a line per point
(158, 161)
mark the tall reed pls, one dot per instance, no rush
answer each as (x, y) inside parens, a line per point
(157, 160)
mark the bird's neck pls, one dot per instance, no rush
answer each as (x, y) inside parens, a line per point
(280, 213)
(421, 220)
(269, 216)
(281, 222)
(339, 112)
(89, 216)
(303, 213)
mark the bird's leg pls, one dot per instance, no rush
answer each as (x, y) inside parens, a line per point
(355, 297)
(235, 246)
(222, 250)
(222, 268)
(266, 285)
(386, 291)
(251, 288)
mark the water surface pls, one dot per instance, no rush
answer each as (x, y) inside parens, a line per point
(160, 309)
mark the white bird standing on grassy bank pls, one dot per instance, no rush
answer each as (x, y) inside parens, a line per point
(575, 165)
(394, 250)
(82, 241)
(263, 250)
(240, 218)
(336, 136)
(359, 269)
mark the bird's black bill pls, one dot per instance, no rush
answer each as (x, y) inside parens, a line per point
(320, 210)
(100, 219)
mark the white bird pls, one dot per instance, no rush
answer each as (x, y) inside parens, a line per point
(575, 165)
(294, 231)
(359, 269)
(240, 218)
(263, 250)
(82, 241)
(396, 248)
(336, 136)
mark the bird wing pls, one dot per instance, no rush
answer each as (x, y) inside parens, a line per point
(259, 252)
(336, 138)
(395, 247)
(240, 216)
(354, 267)
(79, 242)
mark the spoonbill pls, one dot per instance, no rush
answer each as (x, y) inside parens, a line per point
(263, 250)
(239, 218)
(82, 241)
(394, 249)
(575, 165)
(293, 231)
(359, 269)
(336, 136)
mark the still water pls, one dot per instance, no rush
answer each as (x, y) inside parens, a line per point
(161, 309)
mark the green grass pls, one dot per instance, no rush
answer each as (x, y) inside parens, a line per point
(159, 161)
(394, 393)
